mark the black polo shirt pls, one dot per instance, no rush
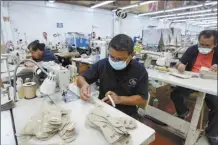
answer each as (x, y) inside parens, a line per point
(133, 80)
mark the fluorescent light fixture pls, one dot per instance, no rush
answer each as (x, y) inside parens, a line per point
(130, 6)
(51, 1)
(186, 13)
(205, 22)
(191, 16)
(213, 27)
(101, 4)
(195, 19)
(135, 5)
(147, 2)
(178, 9)
(151, 13)
(211, 23)
(207, 25)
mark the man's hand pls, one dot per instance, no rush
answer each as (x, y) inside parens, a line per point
(85, 92)
(214, 68)
(117, 99)
(181, 67)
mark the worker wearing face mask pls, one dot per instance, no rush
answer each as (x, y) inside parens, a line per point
(121, 77)
(204, 54)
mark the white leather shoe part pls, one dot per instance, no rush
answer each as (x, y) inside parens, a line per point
(114, 129)
(50, 120)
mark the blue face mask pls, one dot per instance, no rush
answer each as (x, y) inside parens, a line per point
(117, 65)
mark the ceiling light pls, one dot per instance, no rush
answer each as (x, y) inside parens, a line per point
(178, 9)
(186, 13)
(213, 25)
(205, 22)
(147, 2)
(191, 16)
(195, 19)
(135, 5)
(208, 24)
(130, 6)
(101, 4)
(51, 1)
(151, 13)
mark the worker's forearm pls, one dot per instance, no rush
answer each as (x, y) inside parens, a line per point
(81, 81)
(132, 100)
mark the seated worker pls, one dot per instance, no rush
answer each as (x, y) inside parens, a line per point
(204, 54)
(39, 53)
(121, 77)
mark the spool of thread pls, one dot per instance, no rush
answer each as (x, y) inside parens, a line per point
(29, 90)
(27, 80)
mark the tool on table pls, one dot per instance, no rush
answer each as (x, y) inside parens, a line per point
(112, 101)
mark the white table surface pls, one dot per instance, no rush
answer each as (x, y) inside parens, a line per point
(203, 85)
(7, 133)
(84, 60)
(86, 136)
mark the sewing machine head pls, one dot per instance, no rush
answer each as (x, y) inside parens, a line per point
(164, 59)
(58, 77)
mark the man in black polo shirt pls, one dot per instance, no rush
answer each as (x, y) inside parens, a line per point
(124, 79)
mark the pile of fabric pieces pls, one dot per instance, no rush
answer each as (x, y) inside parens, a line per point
(50, 120)
(114, 129)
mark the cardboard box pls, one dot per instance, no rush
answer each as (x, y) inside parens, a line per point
(163, 94)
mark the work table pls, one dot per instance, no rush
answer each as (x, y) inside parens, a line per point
(198, 84)
(26, 108)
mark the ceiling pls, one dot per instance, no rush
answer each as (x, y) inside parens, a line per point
(163, 4)
(151, 7)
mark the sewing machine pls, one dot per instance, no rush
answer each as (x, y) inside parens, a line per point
(100, 47)
(16, 53)
(58, 76)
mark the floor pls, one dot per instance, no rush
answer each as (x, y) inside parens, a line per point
(164, 137)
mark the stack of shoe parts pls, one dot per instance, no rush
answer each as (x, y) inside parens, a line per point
(114, 129)
(50, 120)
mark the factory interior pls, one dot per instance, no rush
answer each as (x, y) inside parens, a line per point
(119, 72)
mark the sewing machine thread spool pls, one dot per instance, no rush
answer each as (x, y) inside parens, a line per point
(29, 90)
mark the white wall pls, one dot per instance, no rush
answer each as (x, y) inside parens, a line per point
(134, 25)
(5, 25)
(35, 17)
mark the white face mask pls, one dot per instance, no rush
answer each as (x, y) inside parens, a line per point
(204, 50)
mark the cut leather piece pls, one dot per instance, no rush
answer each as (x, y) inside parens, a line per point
(50, 120)
(114, 129)
(125, 141)
(118, 128)
(70, 139)
(29, 127)
(66, 128)
(110, 135)
(115, 122)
